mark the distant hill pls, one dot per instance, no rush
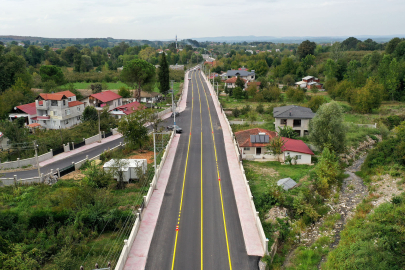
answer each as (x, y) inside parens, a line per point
(293, 39)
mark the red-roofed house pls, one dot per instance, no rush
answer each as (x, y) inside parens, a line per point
(28, 111)
(102, 99)
(126, 109)
(231, 83)
(58, 110)
(252, 144)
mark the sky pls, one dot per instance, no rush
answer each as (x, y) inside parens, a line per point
(159, 19)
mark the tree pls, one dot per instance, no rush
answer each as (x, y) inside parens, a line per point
(11, 66)
(326, 129)
(271, 94)
(337, 52)
(305, 48)
(53, 73)
(132, 127)
(238, 93)
(77, 61)
(350, 43)
(316, 102)
(147, 53)
(368, 97)
(124, 92)
(392, 80)
(400, 50)
(240, 83)
(90, 114)
(288, 80)
(164, 74)
(391, 45)
(275, 146)
(295, 94)
(331, 69)
(138, 73)
(96, 88)
(86, 63)
(354, 74)
(326, 171)
(287, 132)
(261, 68)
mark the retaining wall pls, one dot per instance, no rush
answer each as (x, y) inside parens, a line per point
(93, 139)
(25, 162)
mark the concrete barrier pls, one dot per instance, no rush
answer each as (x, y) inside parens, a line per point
(66, 147)
(93, 139)
(25, 162)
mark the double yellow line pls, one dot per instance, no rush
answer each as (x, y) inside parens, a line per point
(219, 175)
(185, 173)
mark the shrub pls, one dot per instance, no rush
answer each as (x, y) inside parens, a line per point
(124, 92)
(295, 94)
(236, 112)
(260, 108)
(246, 109)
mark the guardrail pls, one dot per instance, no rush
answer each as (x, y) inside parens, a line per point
(258, 222)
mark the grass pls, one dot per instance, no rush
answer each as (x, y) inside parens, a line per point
(356, 134)
(84, 85)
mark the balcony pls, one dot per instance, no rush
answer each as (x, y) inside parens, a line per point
(43, 117)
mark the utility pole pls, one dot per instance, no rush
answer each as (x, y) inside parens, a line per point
(173, 110)
(36, 157)
(99, 132)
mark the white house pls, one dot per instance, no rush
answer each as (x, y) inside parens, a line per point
(253, 145)
(58, 110)
(244, 74)
(231, 83)
(150, 97)
(103, 99)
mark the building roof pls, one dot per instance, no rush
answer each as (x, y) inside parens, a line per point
(308, 78)
(106, 96)
(66, 93)
(233, 80)
(293, 111)
(243, 137)
(286, 183)
(296, 146)
(28, 108)
(33, 125)
(242, 73)
(256, 83)
(53, 96)
(75, 103)
(130, 107)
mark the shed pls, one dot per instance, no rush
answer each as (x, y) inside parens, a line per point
(286, 183)
(129, 168)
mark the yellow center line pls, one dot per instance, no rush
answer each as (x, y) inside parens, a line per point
(219, 176)
(202, 204)
(184, 179)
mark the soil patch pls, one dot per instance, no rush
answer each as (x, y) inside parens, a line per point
(148, 155)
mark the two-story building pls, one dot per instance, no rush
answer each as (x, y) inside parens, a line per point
(58, 110)
(103, 99)
(244, 74)
(296, 117)
(126, 109)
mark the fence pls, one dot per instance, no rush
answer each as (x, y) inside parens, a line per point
(108, 134)
(66, 170)
(58, 151)
(259, 225)
(26, 162)
(93, 139)
(77, 145)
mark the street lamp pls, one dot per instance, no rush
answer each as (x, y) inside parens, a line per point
(98, 114)
(173, 110)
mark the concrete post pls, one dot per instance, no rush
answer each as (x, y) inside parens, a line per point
(15, 180)
(266, 246)
(18, 163)
(87, 157)
(42, 178)
(58, 172)
(140, 214)
(73, 145)
(51, 152)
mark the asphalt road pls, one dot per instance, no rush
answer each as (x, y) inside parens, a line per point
(209, 233)
(75, 158)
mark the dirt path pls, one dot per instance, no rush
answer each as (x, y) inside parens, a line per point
(352, 193)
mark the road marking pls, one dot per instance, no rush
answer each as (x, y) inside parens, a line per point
(184, 179)
(219, 177)
(202, 194)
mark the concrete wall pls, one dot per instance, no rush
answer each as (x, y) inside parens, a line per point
(25, 162)
(93, 139)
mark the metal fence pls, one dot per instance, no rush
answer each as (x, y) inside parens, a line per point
(108, 134)
(67, 170)
(77, 145)
(58, 151)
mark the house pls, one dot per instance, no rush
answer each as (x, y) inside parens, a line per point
(149, 97)
(176, 67)
(257, 84)
(293, 116)
(253, 145)
(309, 82)
(28, 111)
(102, 99)
(127, 109)
(33, 127)
(231, 83)
(58, 110)
(223, 76)
(244, 74)
(249, 51)
(4, 142)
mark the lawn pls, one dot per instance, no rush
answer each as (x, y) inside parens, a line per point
(84, 85)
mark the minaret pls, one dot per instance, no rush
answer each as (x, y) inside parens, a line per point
(176, 41)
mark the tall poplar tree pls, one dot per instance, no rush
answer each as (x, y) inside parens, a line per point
(164, 75)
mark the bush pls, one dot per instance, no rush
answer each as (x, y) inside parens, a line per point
(96, 88)
(124, 92)
(260, 108)
(245, 110)
(295, 94)
(236, 112)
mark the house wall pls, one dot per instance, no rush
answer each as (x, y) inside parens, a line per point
(251, 154)
(290, 123)
(62, 117)
(305, 158)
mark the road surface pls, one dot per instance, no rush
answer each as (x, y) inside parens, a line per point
(198, 225)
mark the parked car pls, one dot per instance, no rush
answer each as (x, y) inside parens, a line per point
(175, 127)
(177, 114)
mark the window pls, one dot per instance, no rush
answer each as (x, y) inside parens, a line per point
(119, 102)
(246, 148)
(69, 99)
(306, 132)
(66, 122)
(54, 123)
(67, 112)
(78, 108)
(55, 113)
(298, 156)
(78, 118)
(64, 102)
(54, 103)
(297, 123)
(283, 121)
